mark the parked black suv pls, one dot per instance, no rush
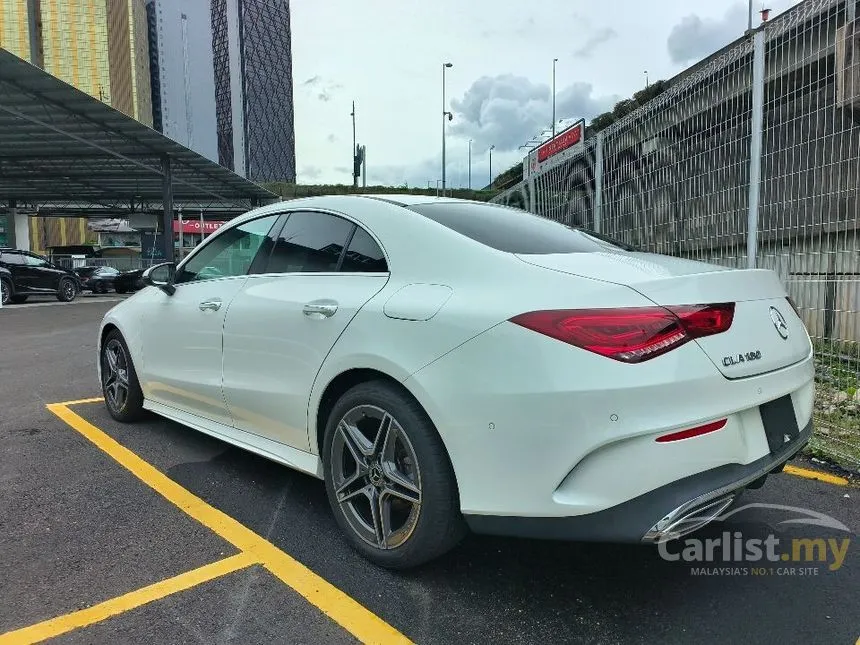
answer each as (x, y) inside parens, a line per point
(28, 274)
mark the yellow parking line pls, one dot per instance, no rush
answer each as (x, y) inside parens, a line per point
(97, 613)
(816, 474)
(95, 399)
(366, 626)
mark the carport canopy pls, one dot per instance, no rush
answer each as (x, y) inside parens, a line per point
(62, 148)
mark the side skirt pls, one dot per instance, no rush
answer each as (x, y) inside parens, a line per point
(277, 452)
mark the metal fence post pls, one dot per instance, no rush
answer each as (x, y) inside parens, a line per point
(598, 182)
(756, 127)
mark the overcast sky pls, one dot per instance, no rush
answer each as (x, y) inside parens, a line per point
(387, 56)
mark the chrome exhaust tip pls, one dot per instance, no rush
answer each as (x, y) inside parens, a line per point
(687, 518)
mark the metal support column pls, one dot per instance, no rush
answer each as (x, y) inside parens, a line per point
(598, 183)
(167, 211)
(181, 236)
(756, 127)
(10, 224)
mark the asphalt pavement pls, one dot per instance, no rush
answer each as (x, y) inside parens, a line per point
(79, 526)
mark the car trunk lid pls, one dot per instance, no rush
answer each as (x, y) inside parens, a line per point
(766, 333)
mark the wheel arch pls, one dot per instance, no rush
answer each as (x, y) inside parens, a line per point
(107, 327)
(343, 382)
(7, 280)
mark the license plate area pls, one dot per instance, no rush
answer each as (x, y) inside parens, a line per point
(780, 422)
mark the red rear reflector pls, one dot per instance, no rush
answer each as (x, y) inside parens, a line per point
(693, 432)
(630, 335)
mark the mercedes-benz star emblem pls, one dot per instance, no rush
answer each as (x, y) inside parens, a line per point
(779, 322)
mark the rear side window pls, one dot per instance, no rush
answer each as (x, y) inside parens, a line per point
(363, 255)
(11, 258)
(515, 231)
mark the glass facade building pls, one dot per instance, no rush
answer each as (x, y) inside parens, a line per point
(99, 46)
(254, 88)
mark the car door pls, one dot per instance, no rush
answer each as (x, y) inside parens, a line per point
(285, 320)
(181, 334)
(14, 261)
(41, 276)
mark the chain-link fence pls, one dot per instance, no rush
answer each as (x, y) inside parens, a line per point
(750, 158)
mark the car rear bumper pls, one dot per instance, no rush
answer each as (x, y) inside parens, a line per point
(670, 511)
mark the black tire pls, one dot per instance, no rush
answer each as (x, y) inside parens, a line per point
(18, 299)
(67, 290)
(119, 289)
(129, 407)
(6, 290)
(431, 528)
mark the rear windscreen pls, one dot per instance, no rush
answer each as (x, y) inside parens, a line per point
(516, 231)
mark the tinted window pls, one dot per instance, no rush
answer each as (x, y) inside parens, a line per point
(229, 253)
(363, 254)
(514, 230)
(309, 242)
(35, 261)
(12, 258)
(107, 271)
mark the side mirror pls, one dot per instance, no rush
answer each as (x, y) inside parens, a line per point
(161, 276)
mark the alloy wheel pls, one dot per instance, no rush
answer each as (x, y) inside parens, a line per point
(68, 289)
(115, 375)
(5, 293)
(376, 476)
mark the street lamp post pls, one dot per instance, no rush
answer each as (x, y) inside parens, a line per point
(554, 61)
(445, 113)
(470, 164)
(491, 165)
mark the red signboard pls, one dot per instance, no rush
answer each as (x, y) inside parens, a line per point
(562, 141)
(193, 226)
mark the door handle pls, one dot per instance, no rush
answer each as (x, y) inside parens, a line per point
(210, 305)
(320, 309)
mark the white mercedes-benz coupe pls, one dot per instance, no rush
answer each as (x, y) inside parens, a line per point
(446, 365)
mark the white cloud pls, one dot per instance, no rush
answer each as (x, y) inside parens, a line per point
(388, 59)
(600, 36)
(694, 38)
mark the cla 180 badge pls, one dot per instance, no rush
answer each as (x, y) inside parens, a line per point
(728, 361)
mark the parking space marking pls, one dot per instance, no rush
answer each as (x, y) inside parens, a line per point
(132, 600)
(797, 471)
(347, 612)
(74, 302)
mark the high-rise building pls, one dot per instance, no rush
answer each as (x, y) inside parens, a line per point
(182, 73)
(222, 82)
(213, 75)
(15, 27)
(99, 46)
(254, 88)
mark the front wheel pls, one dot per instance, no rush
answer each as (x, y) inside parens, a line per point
(389, 479)
(5, 292)
(67, 290)
(121, 389)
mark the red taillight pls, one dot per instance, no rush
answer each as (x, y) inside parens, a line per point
(693, 432)
(631, 335)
